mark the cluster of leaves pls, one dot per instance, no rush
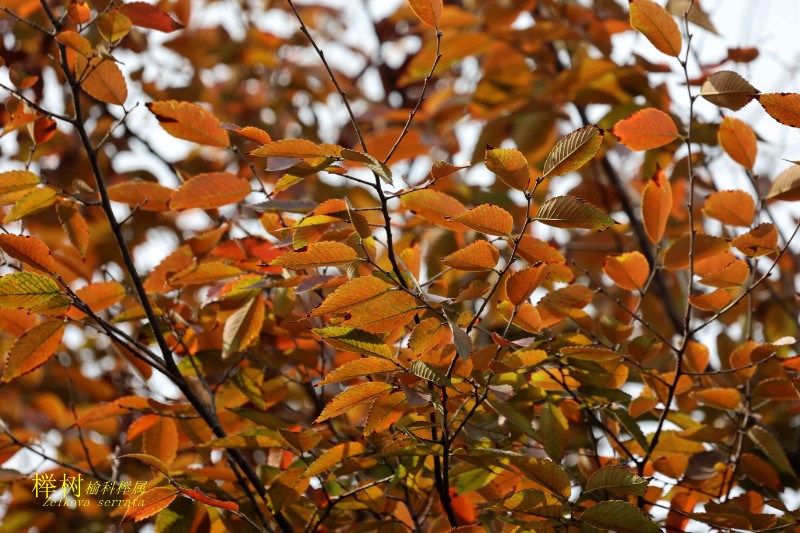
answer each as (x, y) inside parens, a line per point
(358, 335)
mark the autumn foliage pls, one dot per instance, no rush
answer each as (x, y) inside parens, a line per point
(256, 263)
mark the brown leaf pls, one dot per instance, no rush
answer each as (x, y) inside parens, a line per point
(727, 89)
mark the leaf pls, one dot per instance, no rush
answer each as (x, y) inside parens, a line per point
(33, 349)
(296, 149)
(427, 335)
(425, 371)
(727, 89)
(735, 208)
(357, 368)
(334, 456)
(149, 16)
(696, 14)
(646, 129)
(75, 41)
(435, 207)
(477, 257)
(198, 496)
(571, 212)
(618, 516)
(153, 502)
(209, 191)
(713, 301)
(149, 460)
(74, 225)
(251, 133)
(617, 479)
(768, 444)
(739, 141)
(428, 11)
(103, 80)
(553, 430)
(546, 473)
(243, 327)
(441, 169)
(629, 271)
(521, 284)
(705, 247)
(99, 296)
(656, 206)
(718, 398)
(355, 340)
(319, 254)
(251, 439)
(29, 250)
(34, 201)
(17, 180)
(344, 401)
(734, 274)
(786, 186)
(573, 151)
(657, 25)
(204, 274)
(462, 340)
(381, 170)
(510, 166)
(530, 501)
(113, 25)
(761, 240)
(161, 440)
(487, 218)
(34, 292)
(783, 107)
(189, 122)
(146, 195)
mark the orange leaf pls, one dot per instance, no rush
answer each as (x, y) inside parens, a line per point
(735, 208)
(79, 12)
(646, 129)
(147, 195)
(739, 141)
(487, 218)
(161, 440)
(428, 11)
(356, 292)
(477, 257)
(786, 186)
(629, 271)
(147, 15)
(359, 367)
(325, 253)
(434, 206)
(99, 296)
(334, 456)
(33, 349)
(204, 274)
(243, 327)
(705, 248)
(202, 498)
(143, 457)
(251, 133)
(189, 122)
(521, 284)
(510, 166)
(43, 130)
(731, 275)
(427, 335)
(761, 240)
(103, 80)
(74, 225)
(727, 89)
(17, 180)
(296, 149)
(657, 25)
(783, 107)
(713, 301)
(209, 191)
(718, 398)
(139, 426)
(29, 250)
(153, 501)
(344, 401)
(113, 25)
(75, 41)
(656, 206)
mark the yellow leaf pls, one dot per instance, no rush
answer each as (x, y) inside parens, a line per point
(334, 456)
(344, 401)
(34, 292)
(319, 254)
(243, 327)
(17, 180)
(657, 25)
(510, 166)
(33, 202)
(354, 340)
(359, 367)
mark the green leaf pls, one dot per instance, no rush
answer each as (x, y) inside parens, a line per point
(630, 425)
(34, 292)
(768, 444)
(616, 479)
(571, 212)
(573, 151)
(619, 516)
(355, 340)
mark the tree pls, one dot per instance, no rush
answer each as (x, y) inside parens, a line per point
(365, 334)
